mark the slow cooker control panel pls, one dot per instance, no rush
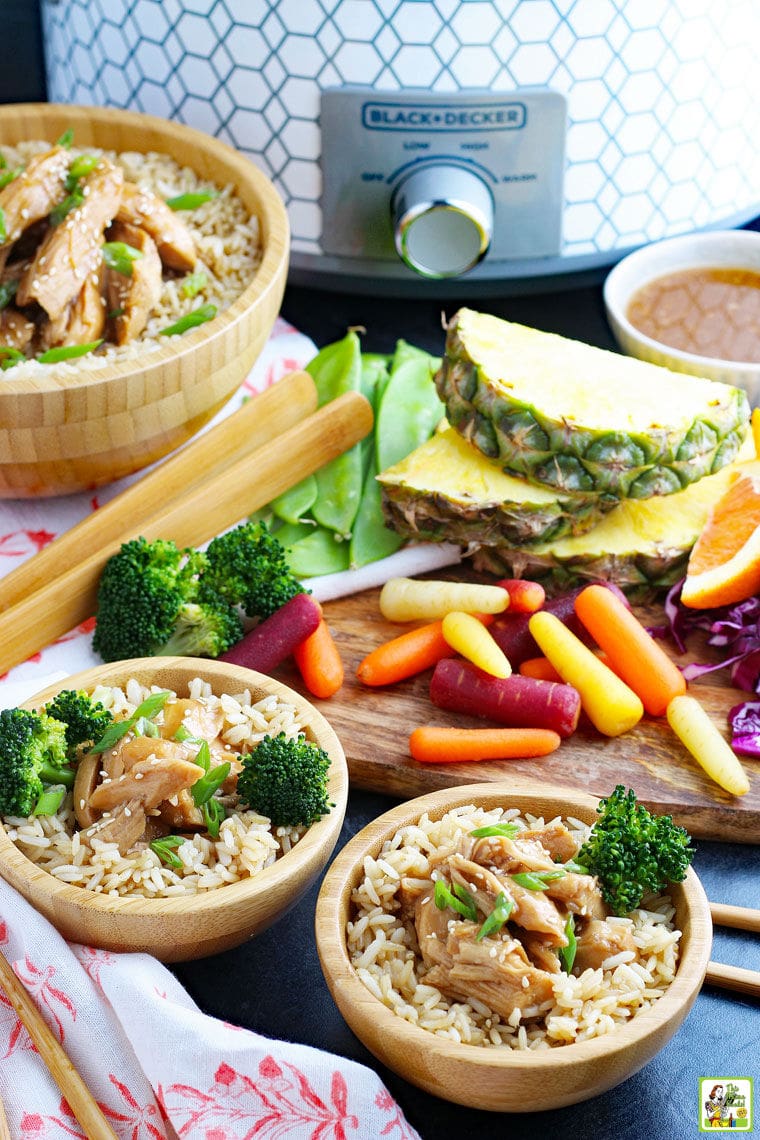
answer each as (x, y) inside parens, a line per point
(442, 181)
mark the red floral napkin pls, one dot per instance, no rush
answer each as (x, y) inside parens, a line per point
(155, 1063)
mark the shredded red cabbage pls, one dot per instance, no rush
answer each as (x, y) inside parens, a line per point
(734, 629)
(744, 722)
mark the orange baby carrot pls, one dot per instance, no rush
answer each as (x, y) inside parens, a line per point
(319, 662)
(525, 597)
(405, 656)
(432, 745)
(539, 668)
(631, 651)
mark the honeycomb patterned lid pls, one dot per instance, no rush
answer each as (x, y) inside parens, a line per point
(663, 95)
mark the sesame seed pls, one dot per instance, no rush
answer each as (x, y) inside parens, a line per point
(127, 812)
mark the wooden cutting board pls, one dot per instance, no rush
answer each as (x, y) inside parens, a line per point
(374, 726)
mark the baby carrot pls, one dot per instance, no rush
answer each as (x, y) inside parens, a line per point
(697, 732)
(432, 745)
(405, 656)
(319, 662)
(540, 668)
(468, 636)
(631, 651)
(611, 706)
(525, 597)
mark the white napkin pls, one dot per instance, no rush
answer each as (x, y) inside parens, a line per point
(149, 1056)
(154, 1062)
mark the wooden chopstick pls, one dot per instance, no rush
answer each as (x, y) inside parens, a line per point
(734, 977)
(5, 1132)
(265, 415)
(202, 511)
(738, 917)
(80, 1100)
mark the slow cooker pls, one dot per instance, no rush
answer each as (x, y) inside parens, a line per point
(419, 144)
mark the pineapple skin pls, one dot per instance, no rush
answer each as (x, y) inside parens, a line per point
(447, 491)
(642, 546)
(560, 453)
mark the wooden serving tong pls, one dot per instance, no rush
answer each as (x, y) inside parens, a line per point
(225, 474)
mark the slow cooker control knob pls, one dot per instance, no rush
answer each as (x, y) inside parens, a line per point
(442, 220)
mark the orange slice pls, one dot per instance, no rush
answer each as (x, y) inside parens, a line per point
(724, 566)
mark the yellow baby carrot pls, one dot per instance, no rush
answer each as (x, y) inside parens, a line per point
(609, 704)
(468, 636)
(701, 737)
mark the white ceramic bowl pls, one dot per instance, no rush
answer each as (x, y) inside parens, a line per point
(734, 249)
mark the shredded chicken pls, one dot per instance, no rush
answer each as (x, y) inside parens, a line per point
(34, 192)
(513, 964)
(131, 298)
(72, 251)
(143, 208)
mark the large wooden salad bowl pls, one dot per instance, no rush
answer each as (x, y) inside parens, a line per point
(192, 926)
(60, 434)
(501, 1080)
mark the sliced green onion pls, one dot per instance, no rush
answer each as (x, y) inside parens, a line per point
(145, 727)
(191, 320)
(191, 201)
(3, 228)
(71, 202)
(80, 168)
(213, 815)
(7, 292)
(183, 734)
(68, 352)
(50, 800)
(445, 899)
(9, 176)
(203, 789)
(116, 313)
(502, 909)
(118, 728)
(66, 138)
(193, 283)
(538, 880)
(462, 893)
(576, 868)
(165, 848)
(10, 356)
(203, 756)
(3, 161)
(509, 830)
(120, 257)
(566, 954)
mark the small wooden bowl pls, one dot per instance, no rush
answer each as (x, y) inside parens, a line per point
(60, 434)
(181, 928)
(500, 1080)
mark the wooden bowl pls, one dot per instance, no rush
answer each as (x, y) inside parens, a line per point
(181, 928)
(502, 1080)
(60, 434)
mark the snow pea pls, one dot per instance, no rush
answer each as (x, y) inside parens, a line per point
(318, 552)
(294, 504)
(406, 416)
(409, 410)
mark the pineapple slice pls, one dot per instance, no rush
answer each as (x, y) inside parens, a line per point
(576, 418)
(446, 490)
(643, 545)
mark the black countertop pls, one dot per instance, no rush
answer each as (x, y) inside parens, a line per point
(279, 990)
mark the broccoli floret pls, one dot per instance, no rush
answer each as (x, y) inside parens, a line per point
(151, 603)
(285, 779)
(85, 720)
(248, 567)
(632, 852)
(32, 752)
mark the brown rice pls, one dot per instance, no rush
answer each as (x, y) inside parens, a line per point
(247, 842)
(384, 951)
